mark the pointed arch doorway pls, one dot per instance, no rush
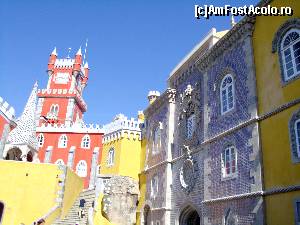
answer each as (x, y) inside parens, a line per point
(189, 216)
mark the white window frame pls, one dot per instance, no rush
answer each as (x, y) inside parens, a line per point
(156, 140)
(79, 166)
(190, 130)
(63, 143)
(41, 140)
(297, 137)
(111, 157)
(290, 47)
(224, 161)
(59, 162)
(297, 212)
(226, 89)
(86, 141)
(54, 109)
(154, 186)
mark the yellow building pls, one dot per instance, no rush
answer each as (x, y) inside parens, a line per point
(31, 191)
(276, 42)
(121, 155)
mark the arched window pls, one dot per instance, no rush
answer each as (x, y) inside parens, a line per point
(294, 128)
(60, 162)
(229, 218)
(63, 141)
(290, 53)
(229, 162)
(81, 168)
(227, 94)
(190, 126)
(154, 185)
(85, 142)
(53, 111)
(40, 140)
(111, 157)
(156, 140)
(297, 134)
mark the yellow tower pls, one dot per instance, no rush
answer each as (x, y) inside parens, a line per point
(276, 42)
(122, 147)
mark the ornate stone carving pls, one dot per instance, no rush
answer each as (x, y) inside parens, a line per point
(187, 171)
(189, 105)
(171, 95)
(120, 200)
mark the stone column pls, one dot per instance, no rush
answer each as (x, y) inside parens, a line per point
(48, 154)
(71, 157)
(94, 163)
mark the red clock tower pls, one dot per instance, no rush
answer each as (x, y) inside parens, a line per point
(63, 137)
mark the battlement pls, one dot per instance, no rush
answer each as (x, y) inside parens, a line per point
(121, 122)
(7, 110)
(74, 128)
(64, 93)
(64, 63)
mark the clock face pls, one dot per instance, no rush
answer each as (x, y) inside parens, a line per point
(61, 78)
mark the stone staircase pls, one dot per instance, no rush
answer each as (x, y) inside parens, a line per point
(78, 214)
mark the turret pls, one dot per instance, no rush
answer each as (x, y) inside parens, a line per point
(52, 59)
(78, 60)
(152, 96)
(86, 73)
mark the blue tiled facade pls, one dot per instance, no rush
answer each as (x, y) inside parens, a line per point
(192, 180)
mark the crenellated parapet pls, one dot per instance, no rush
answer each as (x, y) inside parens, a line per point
(64, 63)
(42, 93)
(7, 110)
(122, 127)
(73, 128)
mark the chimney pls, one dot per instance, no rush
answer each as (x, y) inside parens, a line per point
(152, 96)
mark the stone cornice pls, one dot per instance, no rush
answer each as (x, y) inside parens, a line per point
(242, 29)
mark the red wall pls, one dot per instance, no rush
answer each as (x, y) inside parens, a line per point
(74, 139)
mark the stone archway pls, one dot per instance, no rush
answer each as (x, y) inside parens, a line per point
(29, 157)
(147, 219)
(189, 216)
(14, 154)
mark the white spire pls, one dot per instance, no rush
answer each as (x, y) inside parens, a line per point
(79, 51)
(232, 22)
(86, 65)
(25, 132)
(54, 51)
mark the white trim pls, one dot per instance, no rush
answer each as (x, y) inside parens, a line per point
(59, 162)
(296, 73)
(297, 137)
(86, 141)
(63, 143)
(210, 34)
(223, 163)
(81, 168)
(41, 140)
(111, 157)
(227, 97)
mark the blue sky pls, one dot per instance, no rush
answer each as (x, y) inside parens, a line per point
(133, 45)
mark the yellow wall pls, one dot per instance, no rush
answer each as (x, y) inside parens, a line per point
(280, 208)
(73, 186)
(29, 191)
(278, 168)
(127, 157)
(271, 93)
